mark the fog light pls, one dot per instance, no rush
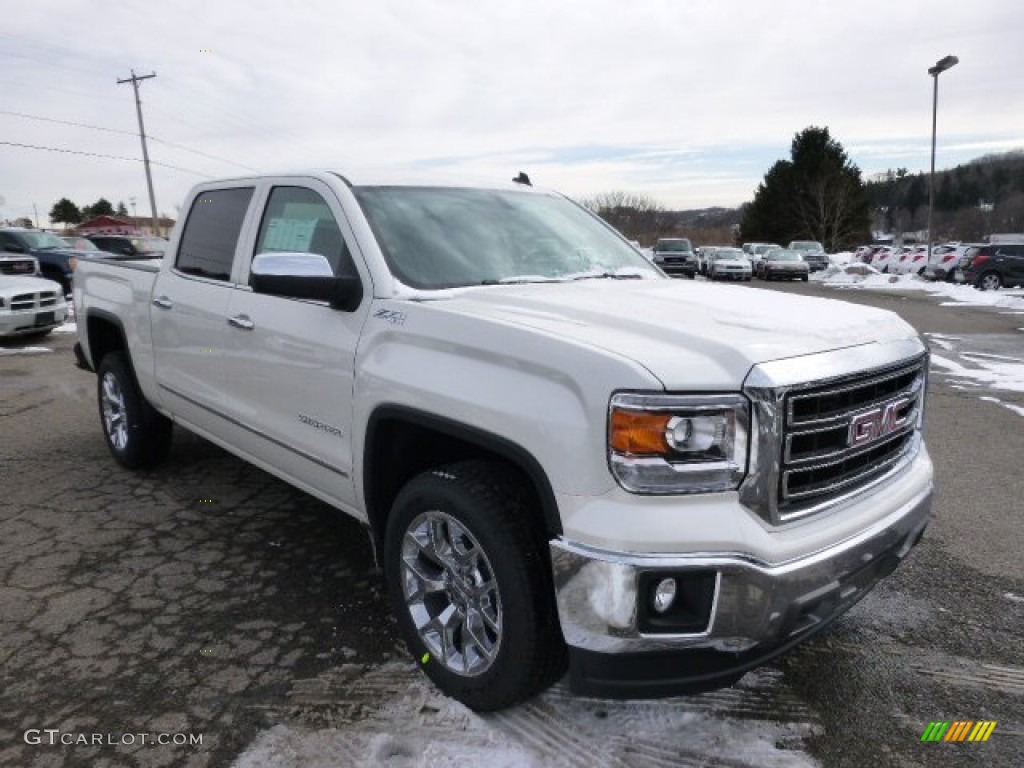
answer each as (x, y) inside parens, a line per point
(664, 594)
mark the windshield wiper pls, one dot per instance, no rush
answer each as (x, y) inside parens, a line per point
(521, 280)
(610, 276)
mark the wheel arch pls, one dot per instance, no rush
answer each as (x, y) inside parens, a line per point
(401, 442)
(105, 334)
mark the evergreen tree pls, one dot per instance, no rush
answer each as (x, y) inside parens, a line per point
(817, 194)
(65, 212)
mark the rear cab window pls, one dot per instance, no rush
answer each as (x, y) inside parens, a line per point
(208, 242)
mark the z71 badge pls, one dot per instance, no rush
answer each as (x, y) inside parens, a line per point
(392, 316)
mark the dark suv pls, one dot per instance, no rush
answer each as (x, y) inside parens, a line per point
(56, 261)
(992, 266)
(135, 246)
(675, 256)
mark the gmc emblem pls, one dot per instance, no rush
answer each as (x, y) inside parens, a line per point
(869, 426)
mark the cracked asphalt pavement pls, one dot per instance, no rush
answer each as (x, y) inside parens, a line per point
(208, 599)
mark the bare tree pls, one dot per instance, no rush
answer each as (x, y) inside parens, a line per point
(636, 216)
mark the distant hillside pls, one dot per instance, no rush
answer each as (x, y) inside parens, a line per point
(972, 200)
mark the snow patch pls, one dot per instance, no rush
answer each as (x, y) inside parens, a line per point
(25, 351)
(407, 722)
(66, 328)
(988, 373)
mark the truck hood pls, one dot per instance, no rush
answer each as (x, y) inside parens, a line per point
(690, 335)
(11, 285)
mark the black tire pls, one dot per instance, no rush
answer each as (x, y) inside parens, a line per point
(137, 435)
(805, 278)
(989, 281)
(480, 505)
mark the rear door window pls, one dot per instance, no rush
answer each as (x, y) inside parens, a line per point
(207, 247)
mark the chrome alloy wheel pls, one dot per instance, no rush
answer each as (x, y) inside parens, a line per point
(115, 421)
(451, 593)
(990, 282)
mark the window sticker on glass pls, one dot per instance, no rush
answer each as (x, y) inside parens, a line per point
(292, 235)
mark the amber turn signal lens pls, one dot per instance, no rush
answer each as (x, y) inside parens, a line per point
(639, 432)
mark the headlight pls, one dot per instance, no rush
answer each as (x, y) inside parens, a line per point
(678, 443)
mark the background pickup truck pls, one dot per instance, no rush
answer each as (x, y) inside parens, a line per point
(564, 458)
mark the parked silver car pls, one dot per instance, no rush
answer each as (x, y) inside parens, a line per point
(729, 264)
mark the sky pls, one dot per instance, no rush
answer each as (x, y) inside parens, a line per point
(687, 102)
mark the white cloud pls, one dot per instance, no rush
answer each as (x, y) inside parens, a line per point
(716, 89)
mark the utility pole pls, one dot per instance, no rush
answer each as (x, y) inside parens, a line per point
(35, 210)
(134, 80)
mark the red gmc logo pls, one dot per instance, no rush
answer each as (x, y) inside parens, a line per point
(872, 425)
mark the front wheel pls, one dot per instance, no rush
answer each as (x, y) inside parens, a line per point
(990, 281)
(470, 586)
(136, 434)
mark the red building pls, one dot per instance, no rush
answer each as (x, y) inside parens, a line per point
(109, 224)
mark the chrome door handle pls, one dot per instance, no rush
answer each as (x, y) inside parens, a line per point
(242, 321)
(163, 302)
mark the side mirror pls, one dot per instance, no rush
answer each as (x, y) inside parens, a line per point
(304, 276)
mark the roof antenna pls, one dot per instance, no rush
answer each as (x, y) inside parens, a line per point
(522, 178)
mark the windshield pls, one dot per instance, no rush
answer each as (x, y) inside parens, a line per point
(79, 244)
(149, 244)
(674, 246)
(730, 253)
(762, 249)
(806, 245)
(781, 255)
(440, 237)
(42, 240)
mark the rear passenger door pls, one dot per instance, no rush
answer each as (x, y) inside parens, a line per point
(1014, 264)
(189, 308)
(289, 363)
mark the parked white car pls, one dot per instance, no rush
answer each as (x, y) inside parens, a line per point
(912, 261)
(30, 306)
(945, 259)
(886, 257)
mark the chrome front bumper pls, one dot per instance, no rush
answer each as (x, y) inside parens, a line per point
(755, 604)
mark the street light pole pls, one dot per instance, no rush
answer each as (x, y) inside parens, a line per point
(940, 66)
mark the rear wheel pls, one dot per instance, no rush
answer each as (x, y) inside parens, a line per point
(470, 586)
(989, 281)
(136, 434)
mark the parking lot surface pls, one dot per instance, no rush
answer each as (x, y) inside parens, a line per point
(209, 606)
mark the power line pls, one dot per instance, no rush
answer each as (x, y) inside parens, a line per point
(201, 154)
(66, 122)
(99, 154)
(127, 133)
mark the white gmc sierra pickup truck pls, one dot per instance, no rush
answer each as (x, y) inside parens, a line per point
(564, 457)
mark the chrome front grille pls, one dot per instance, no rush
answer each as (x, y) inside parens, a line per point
(846, 433)
(17, 267)
(822, 435)
(33, 300)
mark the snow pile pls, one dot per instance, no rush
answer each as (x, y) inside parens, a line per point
(857, 275)
(841, 259)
